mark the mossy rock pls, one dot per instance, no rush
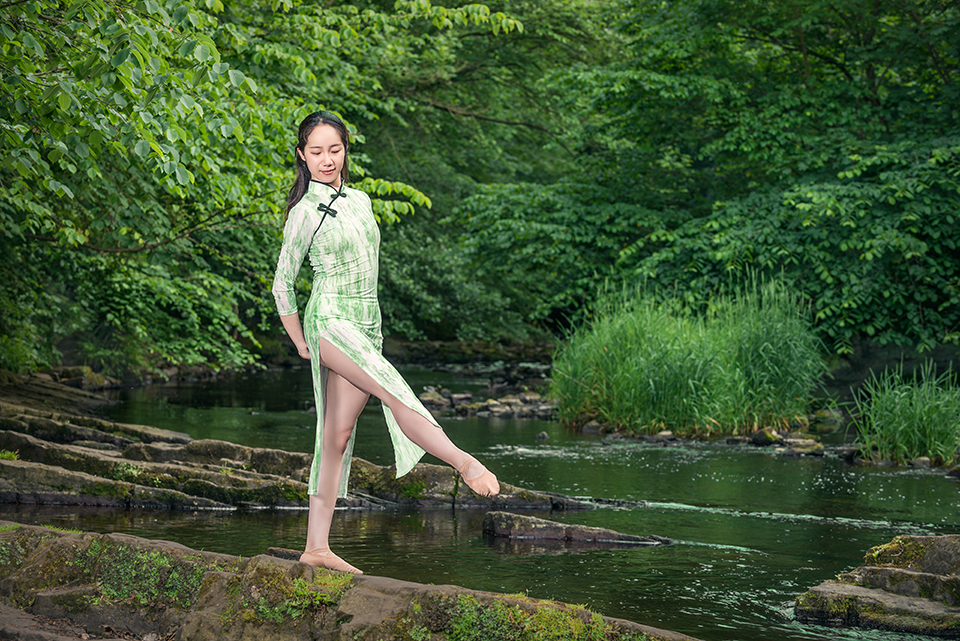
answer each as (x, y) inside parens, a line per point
(162, 588)
(932, 554)
(911, 584)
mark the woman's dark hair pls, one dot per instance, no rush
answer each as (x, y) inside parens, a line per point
(307, 126)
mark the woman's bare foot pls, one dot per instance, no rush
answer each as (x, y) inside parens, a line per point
(478, 478)
(324, 558)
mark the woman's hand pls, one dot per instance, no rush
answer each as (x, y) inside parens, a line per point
(291, 323)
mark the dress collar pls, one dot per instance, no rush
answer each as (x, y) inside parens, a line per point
(326, 189)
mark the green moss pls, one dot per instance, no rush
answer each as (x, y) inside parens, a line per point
(413, 490)
(466, 618)
(901, 552)
(526, 495)
(268, 595)
(128, 472)
(7, 455)
(62, 529)
(294, 494)
(108, 490)
(12, 554)
(9, 527)
(142, 577)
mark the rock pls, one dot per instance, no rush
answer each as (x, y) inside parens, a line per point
(530, 398)
(511, 400)
(593, 427)
(765, 436)
(461, 398)
(804, 446)
(28, 483)
(911, 584)
(523, 404)
(497, 409)
(848, 452)
(541, 436)
(434, 400)
(835, 604)
(921, 462)
(515, 526)
(826, 421)
(94, 445)
(158, 589)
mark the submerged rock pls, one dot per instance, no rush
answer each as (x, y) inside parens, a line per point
(158, 589)
(517, 527)
(911, 584)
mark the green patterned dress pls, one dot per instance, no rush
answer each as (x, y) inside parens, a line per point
(343, 307)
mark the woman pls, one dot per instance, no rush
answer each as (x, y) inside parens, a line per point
(340, 335)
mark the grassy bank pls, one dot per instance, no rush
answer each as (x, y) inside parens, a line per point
(644, 365)
(900, 418)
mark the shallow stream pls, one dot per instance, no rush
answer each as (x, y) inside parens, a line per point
(753, 529)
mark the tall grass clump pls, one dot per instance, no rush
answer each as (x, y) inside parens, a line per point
(901, 418)
(645, 364)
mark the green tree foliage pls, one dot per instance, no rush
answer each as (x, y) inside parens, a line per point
(146, 154)
(428, 291)
(494, 111)
(811, 139)
(823, 136)
(484, 108)
(549, 248)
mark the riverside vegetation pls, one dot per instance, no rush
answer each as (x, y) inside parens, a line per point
(645, 364)
(751, 359)
(903, 417)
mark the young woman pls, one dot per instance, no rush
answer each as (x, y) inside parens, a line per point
(340, 335)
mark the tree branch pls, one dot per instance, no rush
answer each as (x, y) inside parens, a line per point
(457, 111)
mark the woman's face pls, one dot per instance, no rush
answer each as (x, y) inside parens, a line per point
(324, 154)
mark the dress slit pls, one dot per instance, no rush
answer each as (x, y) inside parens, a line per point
(365, 354)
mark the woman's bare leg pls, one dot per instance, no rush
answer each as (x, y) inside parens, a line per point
(415, 426)
(342, 406)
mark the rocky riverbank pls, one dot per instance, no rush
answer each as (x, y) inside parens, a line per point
(56, 586)
(59, 454)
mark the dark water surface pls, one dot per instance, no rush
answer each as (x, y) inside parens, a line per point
(754, 530)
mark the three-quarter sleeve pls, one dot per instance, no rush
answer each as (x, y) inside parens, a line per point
(297, 236)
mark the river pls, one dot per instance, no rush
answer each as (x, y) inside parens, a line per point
(753, 529)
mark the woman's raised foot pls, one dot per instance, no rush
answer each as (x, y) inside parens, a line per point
(324, 558)
(478, 478)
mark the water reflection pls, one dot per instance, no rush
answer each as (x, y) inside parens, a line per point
(753, 529)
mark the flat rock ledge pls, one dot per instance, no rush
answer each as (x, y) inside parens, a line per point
(65, 456)
(526, 531)
(911, 584)
(56, 586)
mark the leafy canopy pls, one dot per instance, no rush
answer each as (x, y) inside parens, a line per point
(146, 151)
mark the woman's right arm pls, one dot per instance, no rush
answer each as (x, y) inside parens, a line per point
(291, 323)
(297, 236)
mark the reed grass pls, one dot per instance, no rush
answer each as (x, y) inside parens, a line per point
(900, 418)
(645, 364)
